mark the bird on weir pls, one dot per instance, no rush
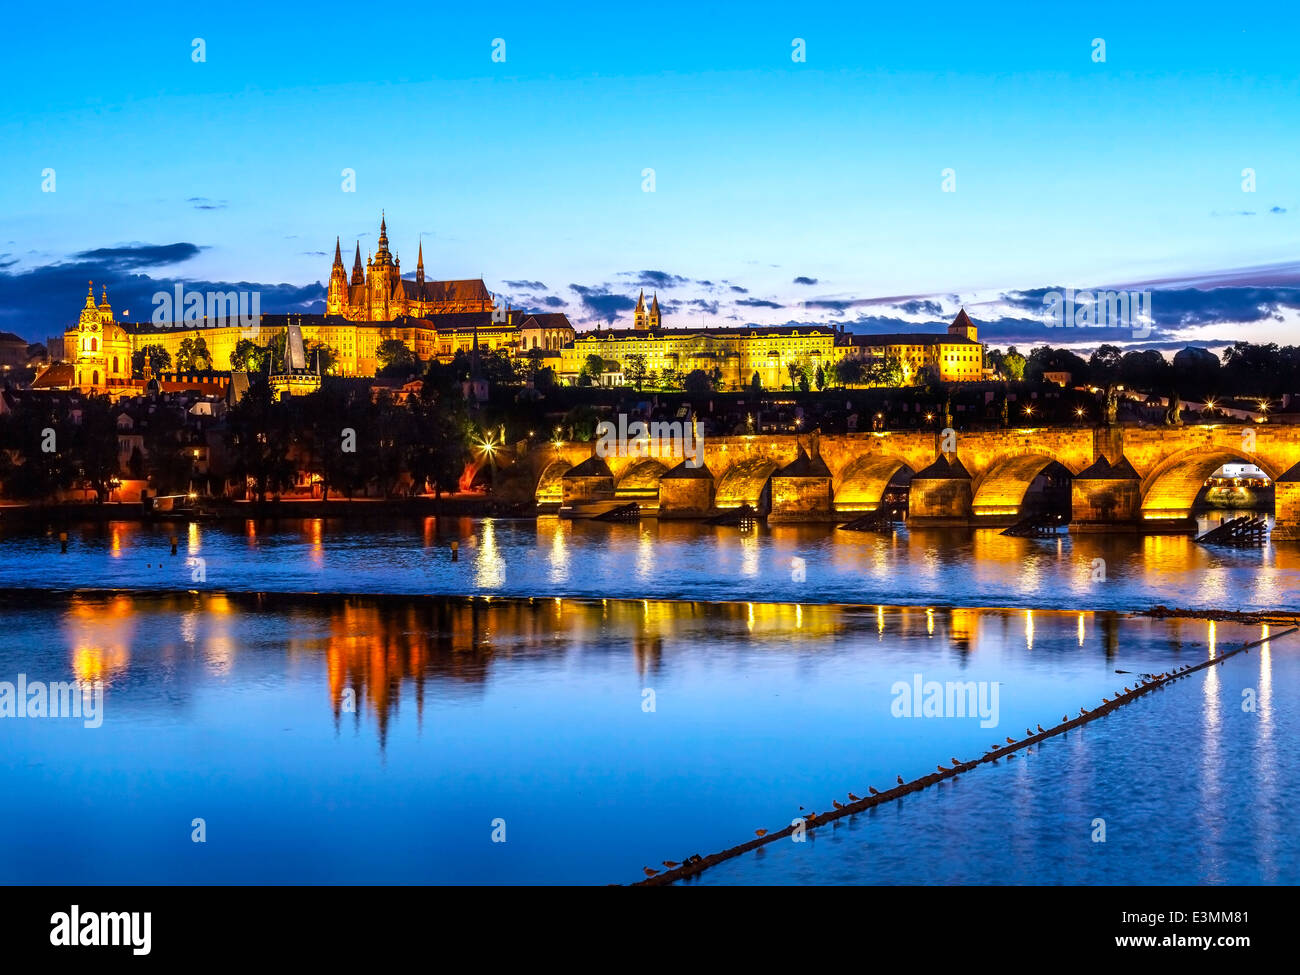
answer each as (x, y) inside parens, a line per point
(837, 804)
(760, 833)
(1040, 729)
(900, 780)
(1083, 710)
(1010, 740)
(649, 872)
(873, 790)
(956, 761)
(853, 798)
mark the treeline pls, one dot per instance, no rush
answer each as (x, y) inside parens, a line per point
(1246, 369)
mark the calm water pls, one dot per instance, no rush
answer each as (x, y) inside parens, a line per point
(237, 710)
(551, 557)
(358, 738)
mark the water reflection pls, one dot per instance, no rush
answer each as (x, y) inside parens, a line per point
(374, 716)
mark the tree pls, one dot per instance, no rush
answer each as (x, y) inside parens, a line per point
(259, 435)
(193, 355)
(634, 369)
(247, 356)
(819, 377)
(592, 368)
(1013, 364)
(850, 371)
(795, 372)
(697, 383)
(756, 383)
(159, 360)
(887, 371)
(395, 357)
(319, 353)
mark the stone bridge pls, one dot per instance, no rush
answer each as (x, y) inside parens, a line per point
(1119, 478)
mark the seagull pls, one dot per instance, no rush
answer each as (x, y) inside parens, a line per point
(853, 798)
(649, 872)
(873, 790)
(760, 833)
(900, 780)
(670, 864)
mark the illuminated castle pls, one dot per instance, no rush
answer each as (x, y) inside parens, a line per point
(377, 293)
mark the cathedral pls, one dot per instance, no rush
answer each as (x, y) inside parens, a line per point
(377, 293)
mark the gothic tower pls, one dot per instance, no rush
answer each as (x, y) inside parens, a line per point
(639, 316)
(654, 311)
(336, 298)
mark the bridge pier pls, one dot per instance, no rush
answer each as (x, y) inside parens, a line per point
(941, 494)
(801, 491)
(686, 492)
(1286, 505)
(1106, 497)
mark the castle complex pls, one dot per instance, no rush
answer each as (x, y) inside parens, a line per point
(437, 319)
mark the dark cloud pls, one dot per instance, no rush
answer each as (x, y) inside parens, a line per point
(45, 300)
(757, 303)
(203, 203)
(701, 304)
(526, 285)
(739, 290)
(655, 279)
(920, 306)
(138, 255)
(1277, 209)
(802, 279)
(601, 303)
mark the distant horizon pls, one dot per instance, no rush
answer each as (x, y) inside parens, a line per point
(872, 168)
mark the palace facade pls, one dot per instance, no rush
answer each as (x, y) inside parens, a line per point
(768, 351)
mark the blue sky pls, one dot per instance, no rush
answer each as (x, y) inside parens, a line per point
(1068, 172)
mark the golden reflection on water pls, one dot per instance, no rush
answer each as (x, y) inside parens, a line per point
(99, 634)
(490, 567)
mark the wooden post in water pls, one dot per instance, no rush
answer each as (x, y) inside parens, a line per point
(63, 543)
(173, 545)
(455, 551)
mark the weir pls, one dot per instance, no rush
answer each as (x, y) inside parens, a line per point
(1160, 681)
(1112, 479)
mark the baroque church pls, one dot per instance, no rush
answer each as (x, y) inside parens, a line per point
(377, 293)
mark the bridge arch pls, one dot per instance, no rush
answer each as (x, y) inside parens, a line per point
(861, 485)
(1000, 490)
(746, 482)
(640, 478)
(1171, 487)
(550, 486)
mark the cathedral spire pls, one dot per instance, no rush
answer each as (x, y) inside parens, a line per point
(383, 232)
(338, 254)
(90, 294)
(419, 268)
(358, 275)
